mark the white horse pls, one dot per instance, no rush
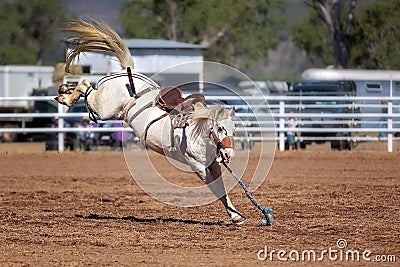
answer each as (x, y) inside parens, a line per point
(204, 139)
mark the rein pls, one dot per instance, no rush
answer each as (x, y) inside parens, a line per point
(266, 211)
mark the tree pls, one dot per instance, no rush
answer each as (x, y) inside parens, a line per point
(337, 16)
(28, 29)
(231, 29)
(371, 39)
(376, 35)
(312, 37)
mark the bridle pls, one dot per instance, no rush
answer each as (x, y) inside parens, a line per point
(226, 142)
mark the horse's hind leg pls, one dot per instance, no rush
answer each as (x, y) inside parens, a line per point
(69, 97)
(212, 173)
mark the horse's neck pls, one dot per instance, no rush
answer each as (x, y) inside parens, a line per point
(198, 134)
(200, 149)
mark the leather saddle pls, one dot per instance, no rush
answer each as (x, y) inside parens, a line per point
(170, 100)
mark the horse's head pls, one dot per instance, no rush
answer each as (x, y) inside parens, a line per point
(222, 130)
(217, 124)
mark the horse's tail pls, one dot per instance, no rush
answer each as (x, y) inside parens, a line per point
(96, 37)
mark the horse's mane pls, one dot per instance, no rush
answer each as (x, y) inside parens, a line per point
(200, 116)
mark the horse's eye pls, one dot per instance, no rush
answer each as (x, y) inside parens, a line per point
(220, 129)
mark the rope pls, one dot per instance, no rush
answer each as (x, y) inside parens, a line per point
(268, 217)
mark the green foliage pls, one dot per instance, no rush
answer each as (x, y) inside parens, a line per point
(27, 29)
(312, 36)
(16, 54)
(376, 35)
(373, 40)
(236, 32)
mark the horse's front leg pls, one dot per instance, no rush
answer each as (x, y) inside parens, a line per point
(211, 174)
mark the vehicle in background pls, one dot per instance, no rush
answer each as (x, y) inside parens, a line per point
(324, 89)
(368, 83)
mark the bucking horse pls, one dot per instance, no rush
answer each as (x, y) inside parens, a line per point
(181, 128)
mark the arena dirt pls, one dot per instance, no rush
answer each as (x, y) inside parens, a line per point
(80, 209)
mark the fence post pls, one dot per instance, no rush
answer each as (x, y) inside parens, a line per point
(390, 127)
(60, 128)
(281, 125)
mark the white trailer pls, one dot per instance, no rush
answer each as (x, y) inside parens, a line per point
(20, 81)
(380, 83)
(375, 83)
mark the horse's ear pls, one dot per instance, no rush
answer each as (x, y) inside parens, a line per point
(232, 111)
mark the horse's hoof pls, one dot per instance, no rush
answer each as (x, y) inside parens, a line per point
(63, 89)
(238, 220)
(60, 99)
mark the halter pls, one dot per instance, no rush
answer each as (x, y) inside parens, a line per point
(226, 142)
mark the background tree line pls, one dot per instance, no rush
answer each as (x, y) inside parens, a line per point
(365, 36)
(342, 33)
(28, 31)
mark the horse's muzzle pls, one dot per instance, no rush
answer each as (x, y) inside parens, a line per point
(226, 151)
(225, 154)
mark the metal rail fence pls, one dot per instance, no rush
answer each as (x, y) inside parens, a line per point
(264, 118)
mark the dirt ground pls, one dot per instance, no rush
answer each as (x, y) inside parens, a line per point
(79, 209)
